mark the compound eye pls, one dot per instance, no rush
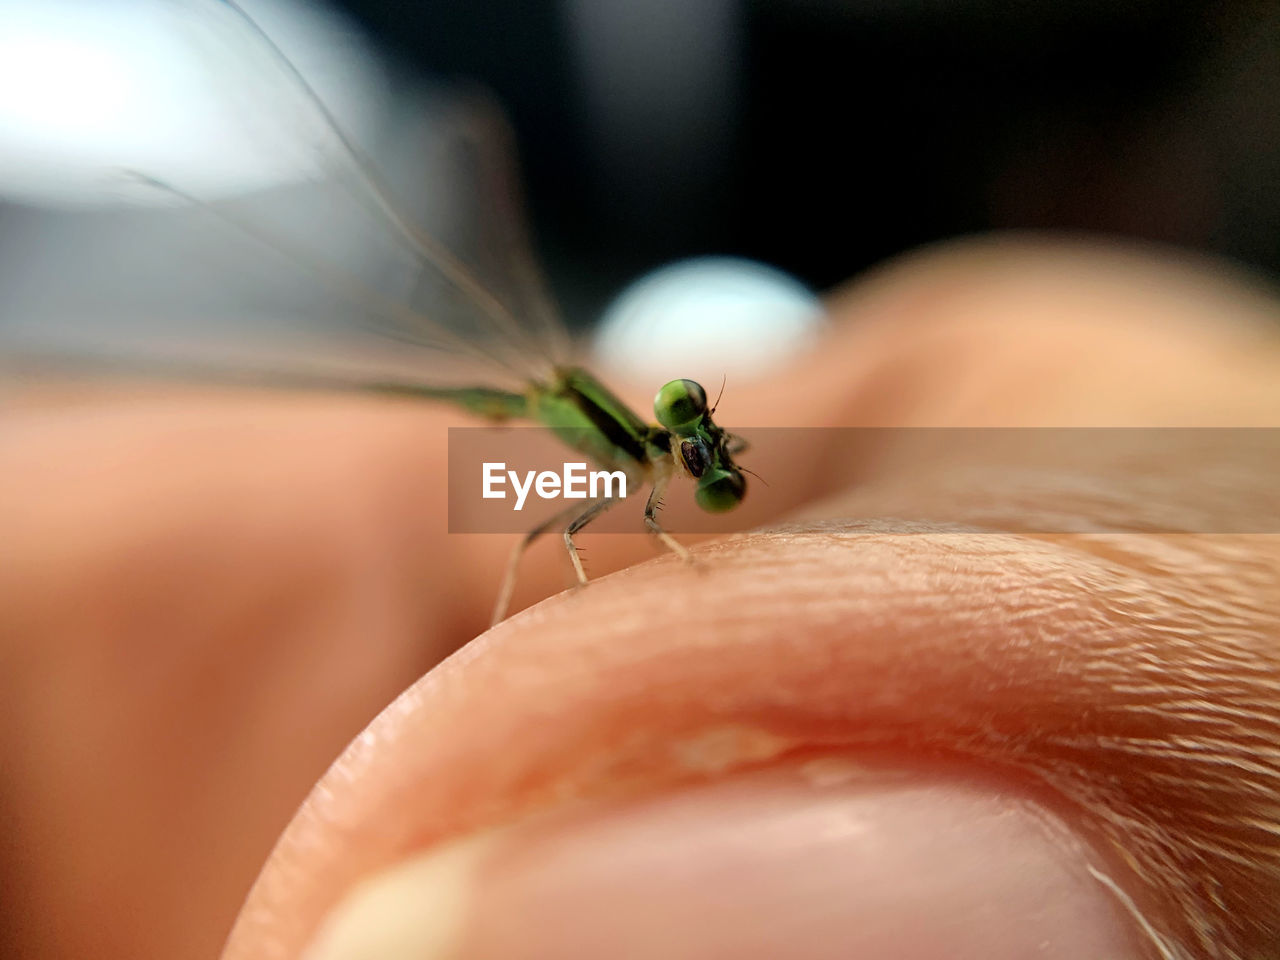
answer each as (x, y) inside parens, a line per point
(680, 406)
(696, 454)
(723, 490)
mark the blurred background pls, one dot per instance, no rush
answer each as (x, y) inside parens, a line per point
(822, 136)
(816, 136)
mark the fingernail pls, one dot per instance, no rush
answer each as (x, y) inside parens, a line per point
(812, 861)
(416, 909)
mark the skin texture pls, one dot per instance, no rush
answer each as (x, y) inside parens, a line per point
(204, 597)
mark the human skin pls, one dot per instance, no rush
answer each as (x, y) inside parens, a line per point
(205, 597)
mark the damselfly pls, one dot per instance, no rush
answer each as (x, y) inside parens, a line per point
(518, 329)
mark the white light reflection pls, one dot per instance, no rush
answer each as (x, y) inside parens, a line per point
(707, 318)
(175, 89)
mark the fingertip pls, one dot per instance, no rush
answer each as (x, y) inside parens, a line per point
(1031, 330)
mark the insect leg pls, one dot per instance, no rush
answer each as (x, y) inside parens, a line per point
(513, 562)
(651, 518)
(587, 515)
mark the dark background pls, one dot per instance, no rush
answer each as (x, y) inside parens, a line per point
(823, 136)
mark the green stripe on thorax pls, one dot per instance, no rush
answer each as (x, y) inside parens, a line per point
(591, 419)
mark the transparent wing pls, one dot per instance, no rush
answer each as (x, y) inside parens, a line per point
(261, 227)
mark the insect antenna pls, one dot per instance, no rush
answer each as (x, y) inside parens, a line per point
(723, 380)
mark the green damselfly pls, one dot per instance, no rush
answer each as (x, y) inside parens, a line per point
(519, 330)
